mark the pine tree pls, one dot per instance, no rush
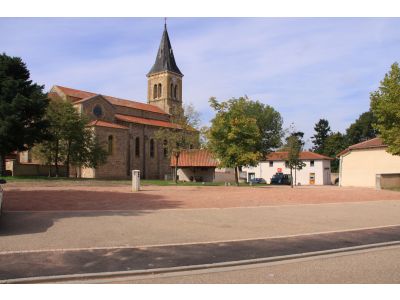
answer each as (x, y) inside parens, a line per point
(22, 107)
(322, 131)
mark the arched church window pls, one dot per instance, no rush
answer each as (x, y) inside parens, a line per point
(159, 90)
(137, 146)
(176, 92)
(172, 91)
(98, 111)
(151, 148)
(155, 91)
(110, 144)
(165, 149)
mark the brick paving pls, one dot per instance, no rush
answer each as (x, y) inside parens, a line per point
(91, 198)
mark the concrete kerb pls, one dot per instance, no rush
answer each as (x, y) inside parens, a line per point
(108, 275)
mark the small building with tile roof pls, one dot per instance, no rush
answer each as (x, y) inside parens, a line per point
(199, 165)
(363, 164)
(317, 169)
(127, 127)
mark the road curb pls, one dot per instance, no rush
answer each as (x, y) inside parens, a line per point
(103, 275)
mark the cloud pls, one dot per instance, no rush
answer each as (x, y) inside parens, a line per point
(306, 68)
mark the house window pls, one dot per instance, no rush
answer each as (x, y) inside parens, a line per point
(311, 163)
(110, 144)
(159, 90)
(151, 148)
(155, 91)
(165, 149)
(137, 146)
(271, 164)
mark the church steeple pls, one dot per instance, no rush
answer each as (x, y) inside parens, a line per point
(165, 60)
(164, 87)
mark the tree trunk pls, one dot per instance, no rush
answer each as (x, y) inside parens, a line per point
(56, 158)
(236, 176)
(295, 177)
(176, 168)
(291, 177)
(2, 165)
(68, 156)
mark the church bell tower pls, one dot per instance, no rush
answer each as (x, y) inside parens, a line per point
(164, 87)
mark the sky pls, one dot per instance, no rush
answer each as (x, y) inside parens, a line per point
(305, 68)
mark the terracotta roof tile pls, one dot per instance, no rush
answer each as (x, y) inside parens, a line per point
(372, 143)
(101, 123)
(304, 155)
(113, 100)
(151, 122)
(195, 158)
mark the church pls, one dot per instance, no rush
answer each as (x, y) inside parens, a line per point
(127, 128)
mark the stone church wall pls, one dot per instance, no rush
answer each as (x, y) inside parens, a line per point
(116, 165)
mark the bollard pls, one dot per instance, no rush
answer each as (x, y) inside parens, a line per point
(135, 180)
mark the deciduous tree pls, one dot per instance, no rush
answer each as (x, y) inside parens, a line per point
(184, 136)
(243, 132)
(385, 105)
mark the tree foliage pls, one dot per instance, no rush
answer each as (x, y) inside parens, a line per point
(243, 131)
(385, 105)
(71, 141)
(22, 107)
(334, 144)
(184, 137)
(362, 129)
(322, 131)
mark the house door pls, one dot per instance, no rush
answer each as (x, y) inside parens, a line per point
(251, 176)
(312, 178)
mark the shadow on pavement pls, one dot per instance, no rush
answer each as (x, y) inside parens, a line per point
(35, 211)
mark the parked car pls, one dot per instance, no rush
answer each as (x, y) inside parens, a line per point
(2, 181)
(257, 181)
(280, 178)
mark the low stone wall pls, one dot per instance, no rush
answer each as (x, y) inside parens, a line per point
(387, 181)
(19, 169)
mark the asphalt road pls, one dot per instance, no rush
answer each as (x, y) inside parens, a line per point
(70, 262)
(381, 265)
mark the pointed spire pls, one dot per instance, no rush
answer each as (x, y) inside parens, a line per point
(165, 60)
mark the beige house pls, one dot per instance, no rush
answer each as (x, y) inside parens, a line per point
(317, 169)
(364, 163)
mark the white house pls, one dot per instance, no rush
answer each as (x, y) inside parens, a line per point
(317, 169)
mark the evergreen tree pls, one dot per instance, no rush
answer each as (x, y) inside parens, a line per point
(362, 129)
(322, 131)
(22, 107)
(334, 144)
(385, 105)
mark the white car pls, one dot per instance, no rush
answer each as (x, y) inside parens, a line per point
(2, 181)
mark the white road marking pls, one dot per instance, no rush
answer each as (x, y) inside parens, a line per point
(188, 243)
